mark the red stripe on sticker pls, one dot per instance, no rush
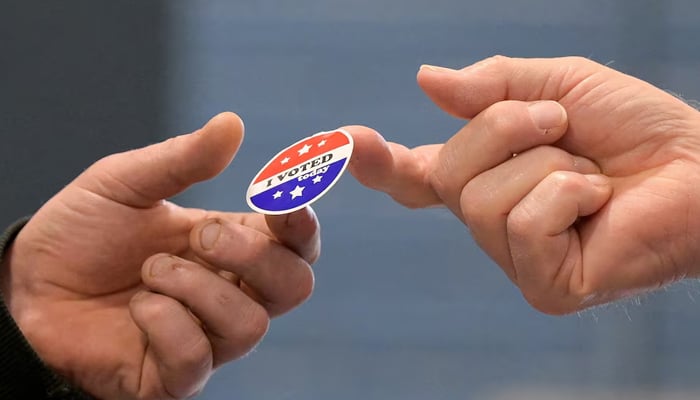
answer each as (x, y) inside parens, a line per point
(302, 151)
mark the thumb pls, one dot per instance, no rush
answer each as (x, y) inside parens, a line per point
(466, 92)
(142, 177)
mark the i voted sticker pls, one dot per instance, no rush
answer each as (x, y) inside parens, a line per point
(300, 174)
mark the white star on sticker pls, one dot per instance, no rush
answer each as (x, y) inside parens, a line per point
(285, 160)
(304, 149)
(317, 179)
(322, 142)
(277, 194)
(296, 192)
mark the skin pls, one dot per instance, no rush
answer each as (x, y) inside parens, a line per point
(599, 203)
(582, 183)
(114, 288)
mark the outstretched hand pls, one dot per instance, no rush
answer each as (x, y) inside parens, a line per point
(581, 182)
(131, 296)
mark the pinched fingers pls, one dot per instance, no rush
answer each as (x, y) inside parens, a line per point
(233, 322)
(393, 168)
(547, 251)
(487, 200)
(178, 351)
(491, 138)
(300, 231)
(277, 275)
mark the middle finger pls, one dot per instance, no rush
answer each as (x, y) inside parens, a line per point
(280, 278)
(488, 198)
(492, 137)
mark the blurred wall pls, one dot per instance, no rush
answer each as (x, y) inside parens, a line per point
(406, 306)
(78, 80)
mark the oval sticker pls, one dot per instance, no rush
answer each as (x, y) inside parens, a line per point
(300, 174)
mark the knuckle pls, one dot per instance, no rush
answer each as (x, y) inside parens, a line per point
(545, 304)
(579, 61)
(495, 60)
(315, 253)
(225, 299)
(254, 249)
(499, 119)
(240, 249)
(438, 178)
(557, 300)
(245, 333)
(556, 159)
(551, 300)
(155, 307)
(305, 287)
(196, 357)
(565, 181)
(411, 203)
(520, 222)
(163, 269)
(475, 203)
(256, 324)
(298, 288)
(103, 162)
(559, 179)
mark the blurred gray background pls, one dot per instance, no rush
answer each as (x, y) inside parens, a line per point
(406, 306)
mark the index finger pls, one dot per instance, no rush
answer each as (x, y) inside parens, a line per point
(392, 168)
(299, 231)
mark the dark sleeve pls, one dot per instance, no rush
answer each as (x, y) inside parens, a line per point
(22, 373)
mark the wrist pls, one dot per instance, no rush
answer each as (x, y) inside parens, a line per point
(6, 240)
(22, 373)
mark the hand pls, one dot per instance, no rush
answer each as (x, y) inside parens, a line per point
(602, 200)
(131, 296)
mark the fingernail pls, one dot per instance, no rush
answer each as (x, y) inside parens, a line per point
(436, 68)
(160, 265)
(547, 114)
(598, 179)
(209, 235)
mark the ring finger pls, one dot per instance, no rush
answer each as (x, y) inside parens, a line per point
(234, 322)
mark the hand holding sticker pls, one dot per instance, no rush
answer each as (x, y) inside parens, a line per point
(300, 174)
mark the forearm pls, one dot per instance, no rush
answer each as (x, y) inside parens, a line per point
(22, 373)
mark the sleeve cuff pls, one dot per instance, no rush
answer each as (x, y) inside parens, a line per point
(23, 375)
